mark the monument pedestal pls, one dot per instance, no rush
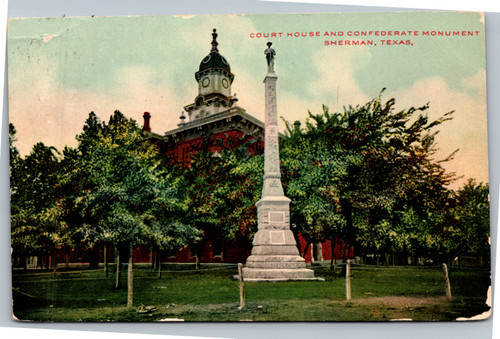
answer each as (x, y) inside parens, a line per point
(275, 256)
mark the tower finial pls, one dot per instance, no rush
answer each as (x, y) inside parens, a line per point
(214, 42)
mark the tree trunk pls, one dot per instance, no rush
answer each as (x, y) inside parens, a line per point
(317, 252)
(345, 250)
(94, 257)
(130, 280)
(54, 261)
(198, 256)
(67, 256)
(306, 249)
(197, 263)
(332, 259)
(157, 259)
(349, 237)
(152, 257)
(118, 268)
(159, 264)
(105, 260)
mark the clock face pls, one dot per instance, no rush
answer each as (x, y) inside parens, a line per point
(225, 83)
(205, 82)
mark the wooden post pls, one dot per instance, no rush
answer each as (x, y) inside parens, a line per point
(348, 280)
(242, 286)
(446, 281)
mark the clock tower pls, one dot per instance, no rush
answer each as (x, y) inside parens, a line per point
(214, 79)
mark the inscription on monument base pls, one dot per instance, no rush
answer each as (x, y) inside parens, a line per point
(276, 216)
(274, 183)
(277, 237)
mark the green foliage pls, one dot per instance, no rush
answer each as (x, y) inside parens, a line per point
(311, 170)
(112, 188)
(222, 188)
(367, 176)
(127, 197)
(470, 234)
(37, 223)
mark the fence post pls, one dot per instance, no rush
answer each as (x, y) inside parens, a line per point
(446, 281)
(242, 286)
(348, 280)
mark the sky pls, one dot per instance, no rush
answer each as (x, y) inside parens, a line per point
(60, 69)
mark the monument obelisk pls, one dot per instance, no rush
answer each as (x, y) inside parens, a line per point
(274, 256)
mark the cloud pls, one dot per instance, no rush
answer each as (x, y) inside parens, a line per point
(468, 129)
(137, 93)
(337, 85)
(50, 113)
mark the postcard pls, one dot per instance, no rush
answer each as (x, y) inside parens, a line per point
(249, 167)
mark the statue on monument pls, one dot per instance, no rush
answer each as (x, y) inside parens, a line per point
(270, 53)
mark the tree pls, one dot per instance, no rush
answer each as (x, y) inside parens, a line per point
(36, 203)
(222, 185)
(23, 235)
(77, 177)
(470, 234)
(310, 169)
(130, 198)
(362, 164)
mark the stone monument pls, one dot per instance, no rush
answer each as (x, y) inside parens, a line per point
(274, 256)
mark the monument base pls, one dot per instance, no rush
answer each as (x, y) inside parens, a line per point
(275, 256)
(264, 271)
(276, 263)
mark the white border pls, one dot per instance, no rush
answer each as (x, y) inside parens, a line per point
(292, 330)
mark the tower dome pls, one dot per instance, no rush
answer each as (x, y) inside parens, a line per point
(214, 60)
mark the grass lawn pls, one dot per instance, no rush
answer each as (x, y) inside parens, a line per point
(378, 294)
